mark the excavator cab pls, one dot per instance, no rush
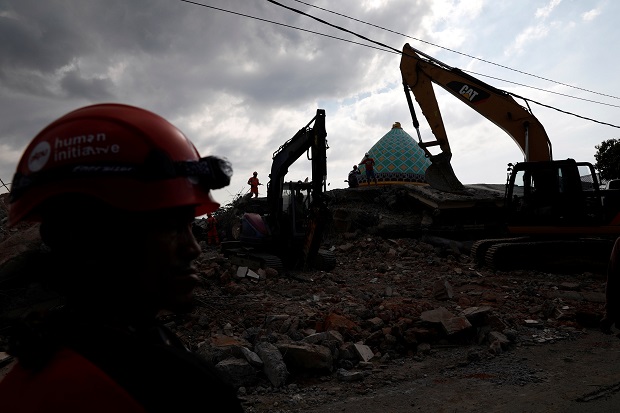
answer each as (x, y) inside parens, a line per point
(550, 193)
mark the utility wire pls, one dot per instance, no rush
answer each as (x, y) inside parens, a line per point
(541, 89)
(390, 49)
(398, 51)
(284, 25)
(461, 53)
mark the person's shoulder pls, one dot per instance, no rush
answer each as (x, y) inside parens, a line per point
(83, 386)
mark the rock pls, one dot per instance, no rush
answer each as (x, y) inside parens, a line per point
(300, 356)
(273, 363)
(239, 372)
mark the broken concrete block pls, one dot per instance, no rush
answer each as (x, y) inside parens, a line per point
(436, 315)
(305, 356)
(251, 357)
(364, 352)
(242, 271)
(495, 348)
(317, 338)
(251, 274)
(442, 290)
(477, 316)
(375, 323)
(273, 363)
(499, 337)
(239, 372)
(455, 325)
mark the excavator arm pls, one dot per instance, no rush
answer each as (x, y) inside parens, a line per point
(420, 71)
(311, 139)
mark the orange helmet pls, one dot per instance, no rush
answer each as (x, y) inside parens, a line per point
(125, 156)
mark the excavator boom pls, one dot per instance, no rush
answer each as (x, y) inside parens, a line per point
(420, 71)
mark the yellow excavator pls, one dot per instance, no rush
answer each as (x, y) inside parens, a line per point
(553, 211)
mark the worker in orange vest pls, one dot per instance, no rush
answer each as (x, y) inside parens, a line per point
(212, 236)
(369, 164)
(254, 183)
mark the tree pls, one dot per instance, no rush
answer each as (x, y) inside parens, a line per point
(607, 158)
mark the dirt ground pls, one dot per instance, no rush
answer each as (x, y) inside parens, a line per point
(578, 374)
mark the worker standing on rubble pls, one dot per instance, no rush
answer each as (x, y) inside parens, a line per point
(117, 219)
(369, 164)
(612, 291)
(352, 178)
(254, 183)
(213, 237)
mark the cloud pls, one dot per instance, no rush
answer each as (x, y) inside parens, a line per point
(528, 35)
(591, 14)
(544, 12)
(242, 77)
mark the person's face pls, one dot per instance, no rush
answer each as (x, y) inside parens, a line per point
(167, 276)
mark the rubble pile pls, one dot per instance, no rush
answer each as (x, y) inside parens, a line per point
(386, 301)
(390, 303)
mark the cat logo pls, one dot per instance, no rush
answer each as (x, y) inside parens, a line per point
(468, 92)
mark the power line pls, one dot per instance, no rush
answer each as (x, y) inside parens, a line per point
(390, 49)
(284, 25)
(461, 53)
(541, 89)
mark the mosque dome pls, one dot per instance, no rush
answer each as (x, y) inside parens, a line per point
(398, 159)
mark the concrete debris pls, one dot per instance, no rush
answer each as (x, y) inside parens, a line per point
(273, 363)
(242, 271)
(500, 338)
(252, 358)
(364, 352)
(349, 376)
(436, 315)
(455, 325)
(239, 372)
(252, 274)
(306, 357)
(442, 290)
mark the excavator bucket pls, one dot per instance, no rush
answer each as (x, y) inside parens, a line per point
(440, 174)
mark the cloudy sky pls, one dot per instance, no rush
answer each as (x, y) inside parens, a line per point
(240, 77)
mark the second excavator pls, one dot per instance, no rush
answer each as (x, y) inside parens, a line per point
(288, 234)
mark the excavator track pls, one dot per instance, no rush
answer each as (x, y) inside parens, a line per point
(269, 261)
(479, 248)
(240, 255)
(550, 255)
